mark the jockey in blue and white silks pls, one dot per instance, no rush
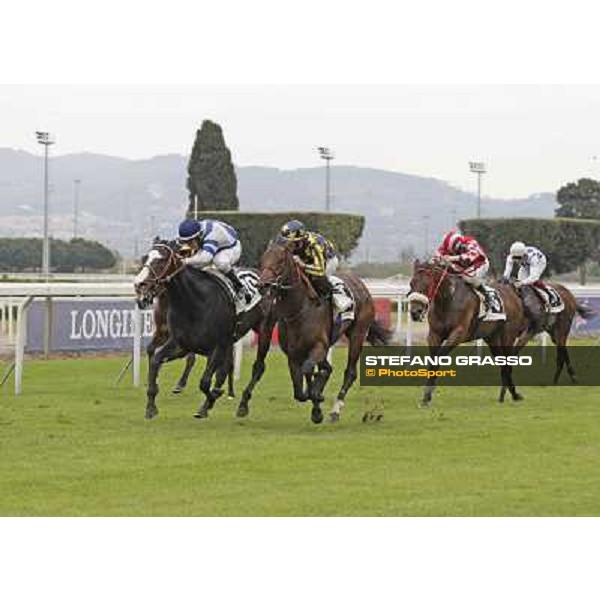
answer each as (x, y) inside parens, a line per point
(531, 261)
(211, 242)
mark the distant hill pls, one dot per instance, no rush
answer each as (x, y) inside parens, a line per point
(123, 202)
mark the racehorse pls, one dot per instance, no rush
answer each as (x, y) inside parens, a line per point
(558, 325)
(305, 328)
(201, 319)
(161, 335)
(452, 311)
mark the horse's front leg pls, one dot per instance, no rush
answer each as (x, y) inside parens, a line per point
(165, 353)
(258, 368)
(441, 348)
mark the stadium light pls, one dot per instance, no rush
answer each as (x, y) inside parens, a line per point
(479, 169)
(327, 155)
(46, 139)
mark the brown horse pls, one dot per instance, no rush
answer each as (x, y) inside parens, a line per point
(558, 325)
(452, 311)
(305, 327)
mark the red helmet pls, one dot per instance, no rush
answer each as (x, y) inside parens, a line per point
(451, 241)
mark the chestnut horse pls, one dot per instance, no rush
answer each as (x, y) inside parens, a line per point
(452, 311)
(305, 327)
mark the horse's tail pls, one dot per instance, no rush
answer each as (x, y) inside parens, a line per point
(584, 311)
(378, 334)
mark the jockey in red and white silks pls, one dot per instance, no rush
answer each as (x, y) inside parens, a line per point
(466, 258)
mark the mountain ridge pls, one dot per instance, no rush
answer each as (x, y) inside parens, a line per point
(123, 202)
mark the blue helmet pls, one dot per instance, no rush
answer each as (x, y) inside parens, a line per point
(189, 230)
(293, 230)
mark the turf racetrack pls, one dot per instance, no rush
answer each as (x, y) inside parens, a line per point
(74, 444)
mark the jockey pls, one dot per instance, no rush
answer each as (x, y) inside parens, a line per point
(466, 258)
(319, 259)
(531, 261)
(209, 241)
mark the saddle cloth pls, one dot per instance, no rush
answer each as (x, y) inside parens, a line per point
(249, 279)
(550, 297)
(344, 304)
(497, 311)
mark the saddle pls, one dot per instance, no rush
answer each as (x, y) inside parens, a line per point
(496, 312)
(343, 300)
(249, 280)
(549, 296)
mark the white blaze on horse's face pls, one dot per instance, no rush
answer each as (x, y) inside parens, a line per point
(153, 255)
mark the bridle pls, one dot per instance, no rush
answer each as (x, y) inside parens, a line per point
(434, 284)
(157, 280)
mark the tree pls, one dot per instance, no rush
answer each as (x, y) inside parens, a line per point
(211, 182)
(579, 200)
(25, 254)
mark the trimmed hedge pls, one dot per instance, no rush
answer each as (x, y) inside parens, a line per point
(567, 243)
(258, 229)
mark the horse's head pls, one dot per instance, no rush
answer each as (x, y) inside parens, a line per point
(425, 282)
(276, 268)
(162, 262)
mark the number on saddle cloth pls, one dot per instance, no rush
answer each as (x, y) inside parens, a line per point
(549, 296)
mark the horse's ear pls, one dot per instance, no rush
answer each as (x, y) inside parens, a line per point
(416, 263)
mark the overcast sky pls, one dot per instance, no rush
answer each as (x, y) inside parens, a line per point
(533, 138)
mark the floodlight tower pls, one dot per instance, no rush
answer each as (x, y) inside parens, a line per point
(327, 155)
(46, 139)
(479, 169)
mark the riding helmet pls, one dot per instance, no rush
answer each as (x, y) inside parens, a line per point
(518, 249)
(188, 230)
(293, 230)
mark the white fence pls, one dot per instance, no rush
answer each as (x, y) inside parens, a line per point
(16, 298)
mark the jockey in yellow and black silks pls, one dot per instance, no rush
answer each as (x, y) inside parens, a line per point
(314, 253)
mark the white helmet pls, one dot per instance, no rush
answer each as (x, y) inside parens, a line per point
(518, 249)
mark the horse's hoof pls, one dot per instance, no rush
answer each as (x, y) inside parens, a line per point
(151, 413)
(230, 397)
(301, 398)
(316, 416)
(201, 414)
(517, 398)
(379, 418)
(242, 411)
(424, 404)
(366, 417)
(334, 417)
(177, 390)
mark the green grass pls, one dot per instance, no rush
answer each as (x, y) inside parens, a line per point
(74, 444)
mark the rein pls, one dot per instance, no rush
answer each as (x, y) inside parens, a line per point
(434, 286)
(165, 276)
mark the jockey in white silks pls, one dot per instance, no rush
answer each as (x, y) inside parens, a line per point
(531, 261)
(209, 242)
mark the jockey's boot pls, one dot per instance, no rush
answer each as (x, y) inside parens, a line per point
(488, 298)
(238, 286)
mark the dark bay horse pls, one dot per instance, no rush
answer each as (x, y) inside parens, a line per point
(201, 319)
(161, 335)
(305, 328)
(558, 325)
(452, 311)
